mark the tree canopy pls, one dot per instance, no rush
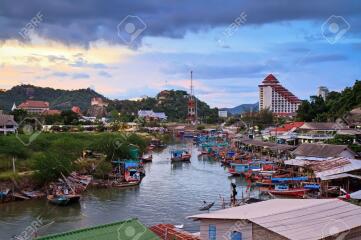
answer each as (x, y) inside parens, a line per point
(336, 105)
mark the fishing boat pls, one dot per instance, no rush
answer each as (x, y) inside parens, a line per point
(206, 206)
(285, 190)
(33, 194)
(264, 182)
(180, 155)
(125, 184)
(237, 169)
(4, 194)
(156, 143)
(64, 199)
(58, 200)
(132, 175)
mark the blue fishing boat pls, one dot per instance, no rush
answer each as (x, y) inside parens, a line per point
(238, 168)
(180, 155)
(4, 194)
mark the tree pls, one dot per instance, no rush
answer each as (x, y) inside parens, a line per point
(69, 117)
(335, 105)
(103, 169)
(50, 166)
(19, 114)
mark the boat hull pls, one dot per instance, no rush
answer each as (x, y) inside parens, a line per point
(297, 193)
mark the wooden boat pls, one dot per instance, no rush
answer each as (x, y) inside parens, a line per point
(33, 194)
(125, 184)
(180, 155)
(63, 200)
(285, 190)
(59, 200)
(237, 169)
(19, 196)
(264, 182)
(4, 194)
(206, 206)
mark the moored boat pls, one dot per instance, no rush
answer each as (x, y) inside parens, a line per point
(285, 190)
(180, 155)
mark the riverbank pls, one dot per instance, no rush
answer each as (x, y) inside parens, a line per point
(168, 194)
(50, 156)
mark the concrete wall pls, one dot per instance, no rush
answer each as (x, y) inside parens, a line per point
(267, 97)
(225, 227)
(260, 233)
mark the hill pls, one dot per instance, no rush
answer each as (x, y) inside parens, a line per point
(58, 98)
(242, 108)
(172, 102)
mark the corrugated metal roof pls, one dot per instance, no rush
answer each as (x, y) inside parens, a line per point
(297, 219)
(320, 150)
(112, 231)
(341, 175)
(7, 120)
(327, 167)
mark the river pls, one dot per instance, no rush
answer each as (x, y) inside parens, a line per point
(168, 194)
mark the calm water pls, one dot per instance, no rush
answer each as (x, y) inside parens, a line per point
(168, 194)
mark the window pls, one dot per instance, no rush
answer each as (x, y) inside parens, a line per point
(212, 232)
(236, 235)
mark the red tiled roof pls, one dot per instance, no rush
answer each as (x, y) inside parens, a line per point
(34, 104)
(288, 127)
(169, 232)
(76, 109)
(272, 81)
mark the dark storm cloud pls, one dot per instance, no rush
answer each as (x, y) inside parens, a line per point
(83, 21)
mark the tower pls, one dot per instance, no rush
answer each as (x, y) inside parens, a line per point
(192, 105)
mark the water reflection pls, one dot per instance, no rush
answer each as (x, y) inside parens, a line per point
(168, 194)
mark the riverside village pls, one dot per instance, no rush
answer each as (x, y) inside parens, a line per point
(90, 148)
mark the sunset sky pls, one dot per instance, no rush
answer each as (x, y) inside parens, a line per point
(126, 49)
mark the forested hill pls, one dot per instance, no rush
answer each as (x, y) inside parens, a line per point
(336, 105)
(172, 102)
(58, 98)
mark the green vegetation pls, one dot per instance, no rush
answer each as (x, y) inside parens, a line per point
(173, 103)
(337, 104)
(58, 99)
(262, 119)
(346, 140)
(53, 154)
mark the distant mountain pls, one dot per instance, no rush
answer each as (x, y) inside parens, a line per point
(242, 108)
(58, 98)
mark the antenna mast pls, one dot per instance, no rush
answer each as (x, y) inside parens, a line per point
(192, 112)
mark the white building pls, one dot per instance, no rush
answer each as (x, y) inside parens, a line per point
(322, 92)
(273, 96)
(150, 114)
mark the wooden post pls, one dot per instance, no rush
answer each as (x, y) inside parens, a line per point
(14, 168)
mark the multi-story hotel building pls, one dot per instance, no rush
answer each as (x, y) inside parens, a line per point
(273, 96)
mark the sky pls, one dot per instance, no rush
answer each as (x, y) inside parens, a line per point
(128, 49)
